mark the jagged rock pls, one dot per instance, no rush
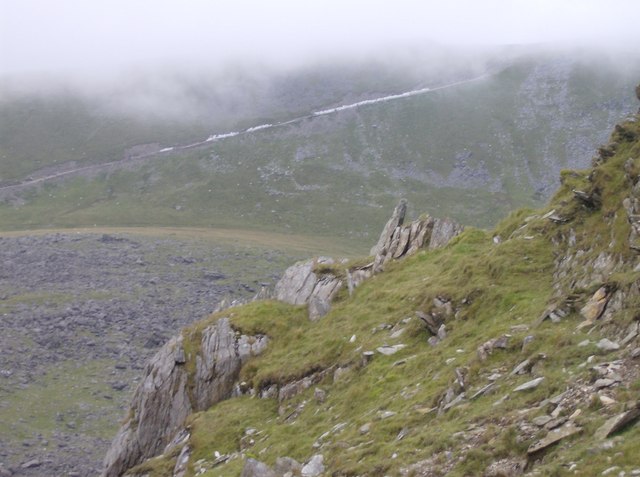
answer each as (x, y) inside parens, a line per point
(397, 241)
(594, 308)
(297, 283)
(534, 383)
(553, 437)
(301, 285)
(162, 401)
(180, 469)
(389, 350)
(287, 464)
(179, 440)
(607, 345)
(461, 377)
(396, 220)
(619, 421)
(314, 467)
(485, 349)
(255, 468)
(522, 368)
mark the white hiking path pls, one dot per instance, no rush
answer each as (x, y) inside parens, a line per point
(221, 136)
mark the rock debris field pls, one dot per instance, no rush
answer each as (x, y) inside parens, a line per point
(80, 314)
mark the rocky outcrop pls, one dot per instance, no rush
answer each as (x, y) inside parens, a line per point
(302, 283)
(396, 220)
(398, 240)
(168, 394)
(255, 468)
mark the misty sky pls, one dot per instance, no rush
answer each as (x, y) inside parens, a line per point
(67, 35)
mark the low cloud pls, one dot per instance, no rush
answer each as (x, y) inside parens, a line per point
(97, 37)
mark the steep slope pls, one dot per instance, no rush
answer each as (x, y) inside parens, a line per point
(505, 352)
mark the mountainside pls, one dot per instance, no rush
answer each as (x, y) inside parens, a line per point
(499, 353)
(482, 141)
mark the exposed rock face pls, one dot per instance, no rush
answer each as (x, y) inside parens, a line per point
(397, 241)
(396, 220)
(554, 436)
(301, 285)
(619, 421)
(162, 401)
(255, 468)
(160, 406)
(314, 467)
(222, 353)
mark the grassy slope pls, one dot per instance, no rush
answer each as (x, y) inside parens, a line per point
(493, 287)
(65, 123)
(473, 152)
